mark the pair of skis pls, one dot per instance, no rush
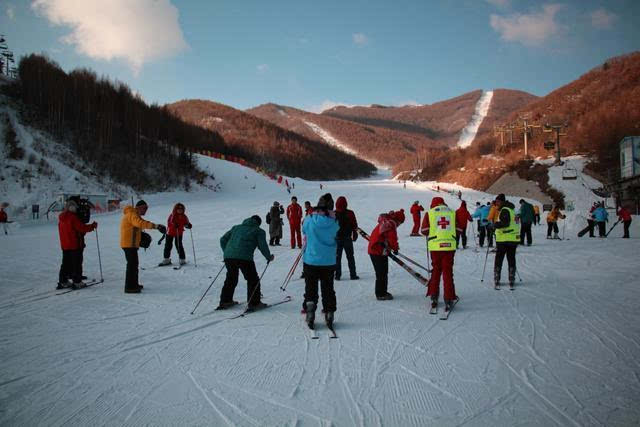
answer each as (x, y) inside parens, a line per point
(445, 314)
(311, 327)
(88, 285)
(249, 310)
(419, 277)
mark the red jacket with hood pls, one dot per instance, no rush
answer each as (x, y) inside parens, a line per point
(462, 216)
(177, 221)
(624, 214)
(347, 220)
(416, 208)
(385, 232)
(71, 230)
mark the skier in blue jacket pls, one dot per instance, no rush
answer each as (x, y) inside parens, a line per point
(601, 217)
(481, 213)
(319, 259)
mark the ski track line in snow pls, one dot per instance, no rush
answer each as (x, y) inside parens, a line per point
(209, 401)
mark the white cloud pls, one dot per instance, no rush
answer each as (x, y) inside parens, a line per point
(602, 19)
(529, 29)
(11, 12)
(360, 39)
(499, 3)
(262, 68)
(137, 31)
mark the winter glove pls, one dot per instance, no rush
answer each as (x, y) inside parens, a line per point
(272, 258)
(395, 252)
(94, 225)
(161, 228)
(354, 236)
(188, 226)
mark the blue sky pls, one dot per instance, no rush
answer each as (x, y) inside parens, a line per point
(309, 54)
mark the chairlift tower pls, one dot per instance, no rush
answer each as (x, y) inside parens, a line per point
(526, 128)
(558, 129)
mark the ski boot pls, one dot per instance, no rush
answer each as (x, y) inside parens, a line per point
(183, 261)
(496, 278)
(310, 315)
(63, 285)
(328, 318)
(79, 285)
(166, 261)
(434, 305)
(258, 306)
(225, 305)
(385, 297)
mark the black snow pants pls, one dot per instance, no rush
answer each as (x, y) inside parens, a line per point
(461, 234)
(71, 267)
(248, 269)
(323, 274)
(525, 230)
(346, 245)
(627, 224)
(381, 266)
(168, 245)
(131, 277)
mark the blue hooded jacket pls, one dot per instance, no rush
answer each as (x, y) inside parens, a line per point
(320, 231)
(600, 215)
(481, 213)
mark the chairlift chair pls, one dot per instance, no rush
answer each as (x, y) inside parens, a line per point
(569, 173)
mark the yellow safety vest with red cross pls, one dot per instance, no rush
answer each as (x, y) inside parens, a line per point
(442, 229)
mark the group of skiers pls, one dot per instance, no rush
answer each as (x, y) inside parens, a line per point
(598, 216)
(329, 230)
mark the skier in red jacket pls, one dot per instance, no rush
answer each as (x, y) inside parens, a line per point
(462, 218)
(625, 216)
(384, 239)
(71, 230)
(176, 223)
(4, 220)
(294, 215)
(416, 208)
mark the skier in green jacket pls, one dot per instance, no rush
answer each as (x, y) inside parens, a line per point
(238, 245)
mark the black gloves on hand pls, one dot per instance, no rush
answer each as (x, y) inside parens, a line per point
(188, 226)
(161, 228)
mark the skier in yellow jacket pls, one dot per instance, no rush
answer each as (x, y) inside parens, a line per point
(131, 228)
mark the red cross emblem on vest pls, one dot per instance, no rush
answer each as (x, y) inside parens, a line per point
(443, 223)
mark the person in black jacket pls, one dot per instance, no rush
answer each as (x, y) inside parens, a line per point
(347, 234)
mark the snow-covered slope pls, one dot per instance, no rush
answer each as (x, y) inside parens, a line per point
(46, 170)
(482, 108)
(562, 349)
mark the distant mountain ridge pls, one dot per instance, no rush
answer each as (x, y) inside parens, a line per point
(269, 146)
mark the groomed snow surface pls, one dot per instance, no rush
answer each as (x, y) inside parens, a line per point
(469, 132)
(562, 349)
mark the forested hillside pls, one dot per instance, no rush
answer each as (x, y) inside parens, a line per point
(270, 146)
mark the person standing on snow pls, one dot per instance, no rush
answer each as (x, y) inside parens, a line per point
(238, 246)
(625, 216)
(294, 215)
(275, 224)
(526, 215)
(319, 260)
(4, 219)
(602, 217)
(552, 222)
(71, 231)
(176, 223)
(462, 218)
(536, 215)
(481, 213)
(383, 240)
(415, 210)
(307, 208)
(491, 217)
(131, 227)
(507, 238)
(347, 234)
(439, 225)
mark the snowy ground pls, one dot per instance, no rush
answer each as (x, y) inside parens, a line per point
(562, 349)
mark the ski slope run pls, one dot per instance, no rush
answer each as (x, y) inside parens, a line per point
(469, 132)
(562, 349)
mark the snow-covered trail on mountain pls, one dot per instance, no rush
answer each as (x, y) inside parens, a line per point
(469, 132)
(562, 349)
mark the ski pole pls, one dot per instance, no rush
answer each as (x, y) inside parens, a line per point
(485, 264)
(413, 262)
(205, 292)
(518, 273)
(564, 223)
(258, 285)
(292, 271)
(99, 258)
(193, 246)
